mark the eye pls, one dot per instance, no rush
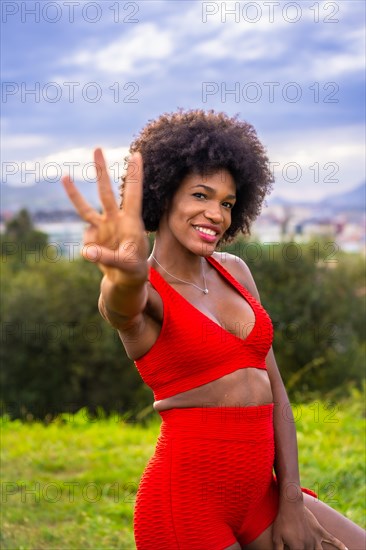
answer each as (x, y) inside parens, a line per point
(227, 205)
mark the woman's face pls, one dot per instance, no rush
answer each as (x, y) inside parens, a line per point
(200, 211)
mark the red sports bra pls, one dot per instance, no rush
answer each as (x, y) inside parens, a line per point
(192, 350)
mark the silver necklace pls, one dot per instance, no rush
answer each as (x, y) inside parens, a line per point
(204, 290)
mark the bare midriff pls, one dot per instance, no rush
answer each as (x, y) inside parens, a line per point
(243, 388)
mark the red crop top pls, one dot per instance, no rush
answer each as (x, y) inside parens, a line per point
(192, 350)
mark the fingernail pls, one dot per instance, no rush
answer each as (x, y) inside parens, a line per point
(91, 252)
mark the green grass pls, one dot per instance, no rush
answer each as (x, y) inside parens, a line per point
(71, 484)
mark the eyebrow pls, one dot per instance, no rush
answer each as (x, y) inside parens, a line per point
(212, 190)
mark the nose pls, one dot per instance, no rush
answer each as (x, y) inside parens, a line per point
(213, 212)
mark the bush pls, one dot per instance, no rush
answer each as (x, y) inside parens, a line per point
(59, 355)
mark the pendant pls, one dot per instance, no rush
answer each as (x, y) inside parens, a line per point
(205, 291)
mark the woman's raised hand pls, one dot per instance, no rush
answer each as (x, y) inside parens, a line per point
(115, 239)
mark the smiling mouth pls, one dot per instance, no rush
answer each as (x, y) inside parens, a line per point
(206, 231)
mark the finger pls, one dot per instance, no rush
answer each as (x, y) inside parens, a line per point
(278, 545)
(97, 253)
(105, 191)
(330, 539)
(84, 209)
(336, 543)
(133, 188)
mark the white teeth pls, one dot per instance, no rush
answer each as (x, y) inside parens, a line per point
(205, 230)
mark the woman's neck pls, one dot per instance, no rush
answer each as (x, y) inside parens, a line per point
(177, 260)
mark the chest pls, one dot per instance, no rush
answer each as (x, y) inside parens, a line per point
(224, 305)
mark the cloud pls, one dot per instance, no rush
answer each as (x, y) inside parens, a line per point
(134, 53)
(351, 59)
(309, 165)
(24, 141)
(76, 162)
(20, 145)
(169, 54)
(180, 38)
(318, 162)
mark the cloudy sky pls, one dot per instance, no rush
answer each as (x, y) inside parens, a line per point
(79, 74)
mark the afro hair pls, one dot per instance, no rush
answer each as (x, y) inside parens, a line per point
(196, 141)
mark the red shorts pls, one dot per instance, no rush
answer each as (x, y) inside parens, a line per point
(210, 481)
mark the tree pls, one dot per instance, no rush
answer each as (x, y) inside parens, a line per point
(20, 238)
(58, 354)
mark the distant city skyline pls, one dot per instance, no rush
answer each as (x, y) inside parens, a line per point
(80, 76)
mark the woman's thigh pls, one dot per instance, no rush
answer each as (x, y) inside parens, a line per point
(263, 542)
(353, 536)
(338, 525)
(181, 501)
(210, 470)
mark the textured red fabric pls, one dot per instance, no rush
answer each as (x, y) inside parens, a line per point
(192, 350)
(210, 481)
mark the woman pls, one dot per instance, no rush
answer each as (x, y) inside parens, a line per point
(191, 319)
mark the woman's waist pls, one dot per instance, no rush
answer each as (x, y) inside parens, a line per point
(236, 422)
(242, 388)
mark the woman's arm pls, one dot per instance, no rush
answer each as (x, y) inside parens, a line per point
(120, 303)
(286, 460)
(115, 239)
(294, 526)
(290, 525)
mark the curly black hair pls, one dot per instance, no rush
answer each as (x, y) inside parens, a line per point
(197, 141)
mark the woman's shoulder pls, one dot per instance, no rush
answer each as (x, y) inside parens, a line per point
(237, 267)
